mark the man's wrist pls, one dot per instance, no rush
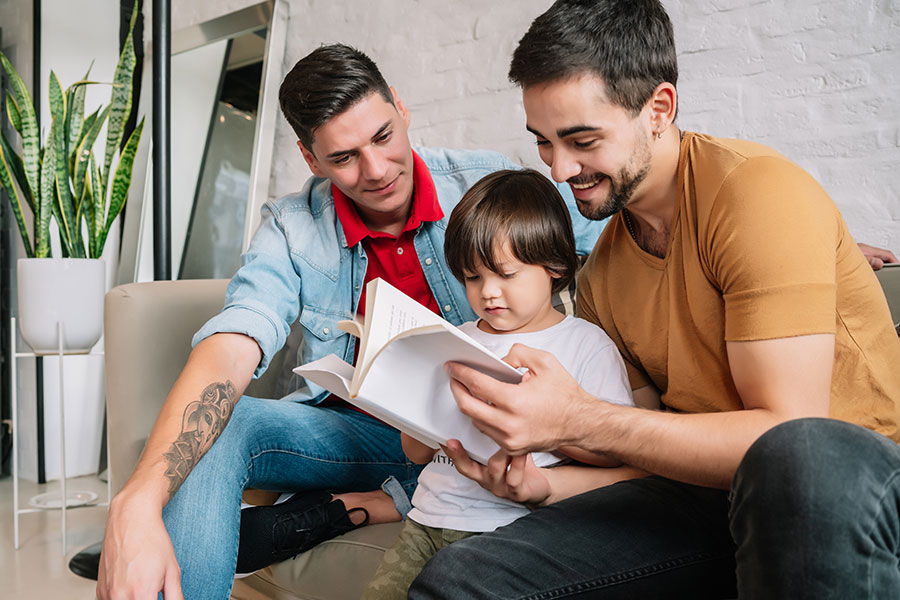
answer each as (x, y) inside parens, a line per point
(591, 418)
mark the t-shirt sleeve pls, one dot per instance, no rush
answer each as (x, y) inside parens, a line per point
(770, 246)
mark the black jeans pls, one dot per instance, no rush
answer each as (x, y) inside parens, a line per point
(813, 513)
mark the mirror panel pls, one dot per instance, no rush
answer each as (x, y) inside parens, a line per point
(223, 109)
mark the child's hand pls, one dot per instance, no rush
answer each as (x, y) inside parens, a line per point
(513, 477)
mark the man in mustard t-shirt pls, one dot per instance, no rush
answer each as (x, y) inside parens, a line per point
(742, 306)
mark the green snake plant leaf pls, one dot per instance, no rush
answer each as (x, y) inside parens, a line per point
(6, 158)
(17, 168)
(57, 102)
(99, 195)
(69, 230)
(99, 205)
(31, 142)
(87, 207)
(120, 100)
(83, 150)
(121, 180)
(85, 128)
(43, 202)
(13, 111)
(75, 116)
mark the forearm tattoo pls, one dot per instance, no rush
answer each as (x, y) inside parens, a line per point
(202, 423)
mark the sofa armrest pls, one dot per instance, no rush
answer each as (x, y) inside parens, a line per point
(147, 339)
(889, 278)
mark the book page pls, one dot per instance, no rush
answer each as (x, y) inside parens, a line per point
(331, 373)
(389, 312)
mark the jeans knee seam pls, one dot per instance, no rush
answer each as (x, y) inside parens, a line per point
(325, 459)
(619, 578)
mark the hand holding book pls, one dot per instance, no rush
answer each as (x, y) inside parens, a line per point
(400, 376)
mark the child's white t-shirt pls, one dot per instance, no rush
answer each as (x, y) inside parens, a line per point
(446, 499)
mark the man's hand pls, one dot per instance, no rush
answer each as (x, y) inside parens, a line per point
(513, 477)
(539, 413)
(137, 560)
(877, 256)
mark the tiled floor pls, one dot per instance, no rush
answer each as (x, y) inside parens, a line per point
(38, 570)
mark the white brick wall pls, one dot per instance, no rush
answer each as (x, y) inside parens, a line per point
(812, 78)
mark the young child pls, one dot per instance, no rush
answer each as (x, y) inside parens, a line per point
(510, 241)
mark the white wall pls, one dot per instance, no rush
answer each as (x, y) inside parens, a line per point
(813, 79)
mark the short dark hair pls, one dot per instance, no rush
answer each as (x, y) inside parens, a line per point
(629, 44)
(325, 83)
(522, 207)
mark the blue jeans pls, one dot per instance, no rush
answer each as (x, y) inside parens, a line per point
(813, 513)
(279, 446)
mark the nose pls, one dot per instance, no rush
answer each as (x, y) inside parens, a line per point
(490, 288)
(374, 165)
(563, 165)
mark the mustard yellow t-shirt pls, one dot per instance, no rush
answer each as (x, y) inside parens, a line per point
(757, 251)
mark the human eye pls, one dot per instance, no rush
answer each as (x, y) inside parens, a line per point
(470, 276)
(541, 142)
(343, 159)
(584, 143)
(384, 137)
(508, 274)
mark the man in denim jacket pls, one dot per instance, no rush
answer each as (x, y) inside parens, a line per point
(374, 208)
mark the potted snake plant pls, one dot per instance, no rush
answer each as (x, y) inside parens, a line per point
(65, 180)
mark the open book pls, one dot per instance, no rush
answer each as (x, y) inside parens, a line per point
(400, 375)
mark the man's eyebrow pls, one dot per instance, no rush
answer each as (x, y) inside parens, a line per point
(377, 135)
(381, 130)
(567, 131)
(533, 131)
(577, 129)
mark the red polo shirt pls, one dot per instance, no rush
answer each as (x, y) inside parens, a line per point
(393, 258)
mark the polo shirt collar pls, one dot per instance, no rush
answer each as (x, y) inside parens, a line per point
(425, 207)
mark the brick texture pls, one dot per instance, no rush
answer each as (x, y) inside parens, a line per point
(814, 79)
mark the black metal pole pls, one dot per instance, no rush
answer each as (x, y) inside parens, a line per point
(162, 234)
(39, 361)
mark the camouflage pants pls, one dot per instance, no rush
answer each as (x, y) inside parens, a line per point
(403, 561)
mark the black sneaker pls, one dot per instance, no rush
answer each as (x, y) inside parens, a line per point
(271, 534)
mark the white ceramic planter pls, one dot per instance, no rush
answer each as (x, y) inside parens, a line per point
(69, 290)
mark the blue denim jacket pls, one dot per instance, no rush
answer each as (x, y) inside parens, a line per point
(298, 263)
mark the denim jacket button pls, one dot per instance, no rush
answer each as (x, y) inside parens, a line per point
(447, 308)
(326, 331)
(427, 261)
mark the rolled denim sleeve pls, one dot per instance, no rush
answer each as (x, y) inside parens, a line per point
(262, 300)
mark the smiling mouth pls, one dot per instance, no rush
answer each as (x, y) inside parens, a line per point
(384, 187)
(587, 185)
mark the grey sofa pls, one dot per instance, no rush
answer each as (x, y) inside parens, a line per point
(148, 329)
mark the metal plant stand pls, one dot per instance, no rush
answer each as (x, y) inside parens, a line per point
(63, 499)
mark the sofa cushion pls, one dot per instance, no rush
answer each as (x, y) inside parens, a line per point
(338, 569)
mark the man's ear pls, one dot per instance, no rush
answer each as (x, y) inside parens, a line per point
(663, 107)
(400, 108)
(310, 159)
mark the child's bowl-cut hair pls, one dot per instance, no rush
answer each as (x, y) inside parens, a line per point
(521, 207)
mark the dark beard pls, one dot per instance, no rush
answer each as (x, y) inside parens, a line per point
(619, 195)
(622, 188)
